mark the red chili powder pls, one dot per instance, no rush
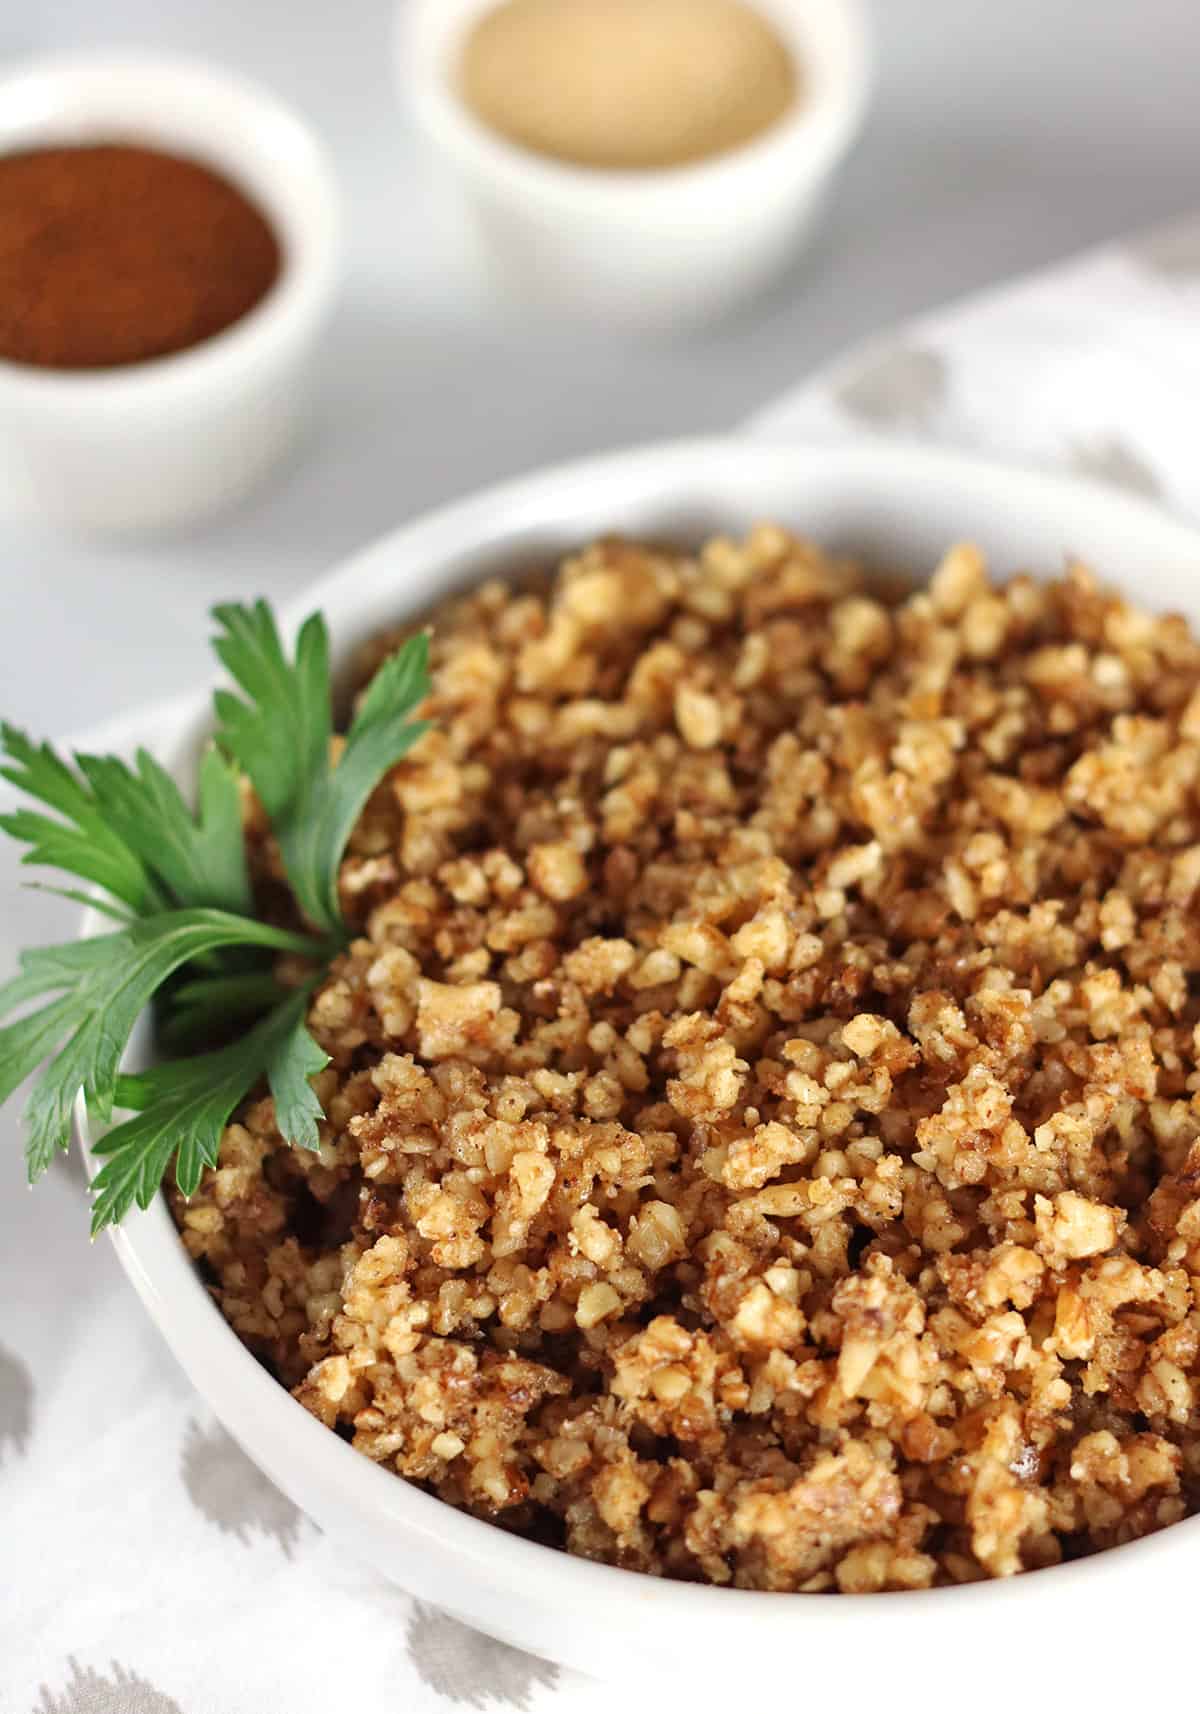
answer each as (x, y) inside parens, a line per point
(113, 254)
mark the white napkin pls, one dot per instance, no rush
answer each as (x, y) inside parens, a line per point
(145, 1565)
(1092, 366)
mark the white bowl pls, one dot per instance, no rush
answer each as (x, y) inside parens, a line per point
(902, 507)
(162, 443)
(653, 250)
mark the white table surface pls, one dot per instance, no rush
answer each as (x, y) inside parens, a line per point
(1002, 136)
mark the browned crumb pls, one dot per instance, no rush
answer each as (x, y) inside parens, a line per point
(762, 1139)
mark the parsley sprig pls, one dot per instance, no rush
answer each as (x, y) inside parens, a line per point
(177, 885)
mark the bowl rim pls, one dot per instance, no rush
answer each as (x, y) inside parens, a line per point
(47, 97)
(832, 37)
(258, 1411)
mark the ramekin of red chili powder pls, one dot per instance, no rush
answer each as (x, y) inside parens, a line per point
(168, 244)
(113, 253)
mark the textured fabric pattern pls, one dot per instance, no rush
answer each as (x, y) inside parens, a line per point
(1089, 367)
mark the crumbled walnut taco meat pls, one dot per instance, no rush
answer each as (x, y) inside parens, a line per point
(763, 1137)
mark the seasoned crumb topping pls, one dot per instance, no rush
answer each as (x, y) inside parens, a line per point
(763, 1137)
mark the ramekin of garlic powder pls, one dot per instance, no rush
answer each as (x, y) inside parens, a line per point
(647, 162)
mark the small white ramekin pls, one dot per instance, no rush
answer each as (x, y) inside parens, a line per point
(158, 444)
(653, 250)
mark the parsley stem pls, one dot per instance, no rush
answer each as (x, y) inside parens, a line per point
(250, 932)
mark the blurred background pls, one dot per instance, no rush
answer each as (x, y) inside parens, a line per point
(999, 138)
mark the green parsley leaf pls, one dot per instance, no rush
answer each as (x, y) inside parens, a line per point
(203, 1007)
(199, 860)
(108, 980)
(280, 736)
(177, 884)
(85, 844)
(380, 735)
(183, 1108)
(129, 832)
(293, 1057)
(313, 809)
